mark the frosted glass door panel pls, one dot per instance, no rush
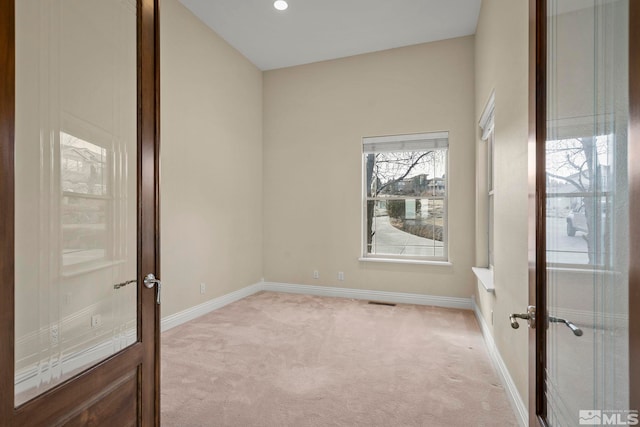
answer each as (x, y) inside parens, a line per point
(587, 219)
(76, 188)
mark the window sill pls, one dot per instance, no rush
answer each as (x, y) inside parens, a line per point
(407, 261)
(485, 275)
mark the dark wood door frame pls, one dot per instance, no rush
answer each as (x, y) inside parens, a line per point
(7, 206)
(149, 196)
(537, 219)
(60, 403)
(537, 182)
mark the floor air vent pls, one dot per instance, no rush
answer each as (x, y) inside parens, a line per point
(390, 304)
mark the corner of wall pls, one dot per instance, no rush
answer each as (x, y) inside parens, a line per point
(212, 124)
(501, 64)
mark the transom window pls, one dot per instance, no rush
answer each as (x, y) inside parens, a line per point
(405, 197)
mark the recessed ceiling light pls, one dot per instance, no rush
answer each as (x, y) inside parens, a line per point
(280, 4)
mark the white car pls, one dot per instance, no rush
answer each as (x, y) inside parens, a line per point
(577, 221)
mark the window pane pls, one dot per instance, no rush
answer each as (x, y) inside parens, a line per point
(587, 208)
(491, 228)
(490, 154)
(411, 227)
(76, 188)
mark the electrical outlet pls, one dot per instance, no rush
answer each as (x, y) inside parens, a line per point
(96, 321)
(54, 334)
(68, 297)
(203, 288)
(316, 274)
(340, 275)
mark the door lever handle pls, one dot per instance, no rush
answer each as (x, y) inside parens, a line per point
(150, 281)
(529, 316)
(576, 331)
(513, 319)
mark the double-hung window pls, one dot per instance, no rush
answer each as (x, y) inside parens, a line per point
(405, 197)
(485, 273)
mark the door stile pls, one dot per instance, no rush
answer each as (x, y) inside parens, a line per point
(149, 192)
(7, 205)
(537, 215)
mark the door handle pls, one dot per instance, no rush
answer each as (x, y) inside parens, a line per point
(576, 331)
(149, 281)
(529, 316)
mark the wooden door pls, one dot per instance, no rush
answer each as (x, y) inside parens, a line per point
(584, 192)
(88, 79)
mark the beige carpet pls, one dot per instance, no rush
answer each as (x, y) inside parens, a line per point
(277, 360)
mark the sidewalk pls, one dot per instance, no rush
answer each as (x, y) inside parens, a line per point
(391, 241)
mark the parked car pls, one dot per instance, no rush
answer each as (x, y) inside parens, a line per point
(577, 221)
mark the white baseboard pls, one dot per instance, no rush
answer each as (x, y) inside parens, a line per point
(191, 313)
(519, 408)
(385, 296)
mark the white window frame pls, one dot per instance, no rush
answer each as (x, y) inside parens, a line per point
(487, 125)
(426, 141)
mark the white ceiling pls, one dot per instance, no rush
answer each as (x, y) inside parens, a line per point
(316, 30)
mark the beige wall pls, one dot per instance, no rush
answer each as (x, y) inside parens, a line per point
(501, 57)
(314, 119)
(211, 171)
